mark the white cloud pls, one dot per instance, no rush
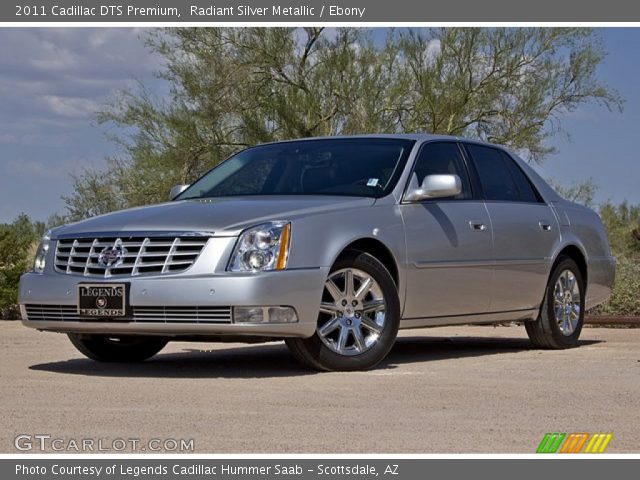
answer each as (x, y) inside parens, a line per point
(8, 138)
(330, 33)
(70, 69)
(433, 49)
(52, 81)
(63, 75)
(35, 168)
(71, 106)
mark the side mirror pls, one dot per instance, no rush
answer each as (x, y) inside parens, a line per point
(434, 186)
(177, 190)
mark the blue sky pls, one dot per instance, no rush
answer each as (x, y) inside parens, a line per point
(53, 80)
(603, 145)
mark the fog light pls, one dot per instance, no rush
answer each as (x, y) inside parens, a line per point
(248, 315)
(264, 315)
(282, 315)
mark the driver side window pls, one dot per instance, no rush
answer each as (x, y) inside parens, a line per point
(439, 158)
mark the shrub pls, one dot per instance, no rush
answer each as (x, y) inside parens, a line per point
(17, 246)
(626, 292)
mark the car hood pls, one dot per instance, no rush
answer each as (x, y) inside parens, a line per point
(222, 216)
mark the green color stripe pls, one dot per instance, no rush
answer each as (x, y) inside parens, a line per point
(556, 445)
(543, 443)
(551, 442)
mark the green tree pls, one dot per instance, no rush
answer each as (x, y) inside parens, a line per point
(18, 241)
(583, 193)
(620, 221)
(233, 87)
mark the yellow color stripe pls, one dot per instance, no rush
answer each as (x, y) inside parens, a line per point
(590, 444)
(596, 445)
(607, 439)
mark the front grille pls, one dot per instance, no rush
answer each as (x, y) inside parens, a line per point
(69, 313)
(182, 314)
(139, 255)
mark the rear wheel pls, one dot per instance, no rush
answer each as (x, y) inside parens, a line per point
(562, 313)
(358, 319)
(105, 348)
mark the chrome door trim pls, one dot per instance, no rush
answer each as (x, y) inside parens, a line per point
(461, 264)
(490, 317)
(481, 263)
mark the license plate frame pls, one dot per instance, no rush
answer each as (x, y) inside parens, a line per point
(102, 300)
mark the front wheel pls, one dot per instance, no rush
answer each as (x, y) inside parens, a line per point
(358, 320)
(562, 313)
(105, 348)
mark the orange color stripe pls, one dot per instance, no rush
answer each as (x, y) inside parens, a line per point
(583, 439)
(565, 447)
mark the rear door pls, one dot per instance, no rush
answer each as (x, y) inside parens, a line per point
(525, 230)
(449, 247)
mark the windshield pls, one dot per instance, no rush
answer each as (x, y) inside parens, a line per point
(365, 167)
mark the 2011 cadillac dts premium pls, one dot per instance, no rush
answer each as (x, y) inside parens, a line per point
(332, 244)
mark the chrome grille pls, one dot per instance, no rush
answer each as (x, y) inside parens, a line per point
(182, 314)
(142, 255)
(193, 314)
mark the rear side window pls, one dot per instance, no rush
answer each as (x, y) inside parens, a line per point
(494, 174)
(527, 193)
(438, 158)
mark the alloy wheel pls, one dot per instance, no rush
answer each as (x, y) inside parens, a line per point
(567, 302)
(352, 312)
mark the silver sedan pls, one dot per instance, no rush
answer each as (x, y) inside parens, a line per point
(332, 244)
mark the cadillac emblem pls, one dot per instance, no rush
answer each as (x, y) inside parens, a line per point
(111, 257)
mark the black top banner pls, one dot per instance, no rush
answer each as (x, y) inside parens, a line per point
(316, 11)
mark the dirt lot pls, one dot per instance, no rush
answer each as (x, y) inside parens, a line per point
(463, 389)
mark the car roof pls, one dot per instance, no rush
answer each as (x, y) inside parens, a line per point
(405, 136)
(418, 137)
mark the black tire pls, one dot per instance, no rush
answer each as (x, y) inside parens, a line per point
(124, 349)
(545, 332)
(314, 353)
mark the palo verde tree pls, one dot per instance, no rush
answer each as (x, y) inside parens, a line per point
(233, 87)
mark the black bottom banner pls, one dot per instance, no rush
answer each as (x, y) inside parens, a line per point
(318, 468)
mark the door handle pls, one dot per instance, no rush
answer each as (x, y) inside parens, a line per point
(477, 226)
(544, 226)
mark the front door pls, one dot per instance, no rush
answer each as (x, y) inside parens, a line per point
(449, 243)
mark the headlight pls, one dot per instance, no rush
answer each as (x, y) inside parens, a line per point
(41, 254)
(262, 248)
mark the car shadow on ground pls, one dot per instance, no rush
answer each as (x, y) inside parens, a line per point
(274, 360)
(425, 349)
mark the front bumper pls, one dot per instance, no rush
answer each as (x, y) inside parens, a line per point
(300, 289)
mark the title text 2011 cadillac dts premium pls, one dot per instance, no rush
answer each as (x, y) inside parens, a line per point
(332, 244)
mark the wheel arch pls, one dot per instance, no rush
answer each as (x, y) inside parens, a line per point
(377, 249)
(574, 252)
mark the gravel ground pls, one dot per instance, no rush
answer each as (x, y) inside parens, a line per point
(445, 390)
